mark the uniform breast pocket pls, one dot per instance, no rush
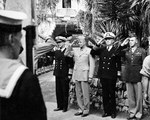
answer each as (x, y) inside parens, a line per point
(85, 56)
(138, 57)
(138, 54)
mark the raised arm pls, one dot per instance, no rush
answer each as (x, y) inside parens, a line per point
(69, 51)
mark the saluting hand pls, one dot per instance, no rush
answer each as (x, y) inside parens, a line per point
(125, 42)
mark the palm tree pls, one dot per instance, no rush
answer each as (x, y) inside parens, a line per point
(85, 17)
(144, 8)
(46, 4)
(118, 13)
(52, 4)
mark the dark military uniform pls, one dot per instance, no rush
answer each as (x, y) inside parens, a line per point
(20, 93)
(133, 64)
(109, 64)
(62, 65)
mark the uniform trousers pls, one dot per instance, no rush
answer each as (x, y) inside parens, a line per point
(108, 94)
(134, 92)
(83, 97)
(62, 92)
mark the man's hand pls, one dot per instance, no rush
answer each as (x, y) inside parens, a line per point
(119, 73)
(69, 76)
(145, 96)
(90, 81)
(125, 42)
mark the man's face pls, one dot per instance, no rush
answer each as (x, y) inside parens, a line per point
(82, 41)
(132, 41)
(61, 44)
(67, 43)
(109, 41)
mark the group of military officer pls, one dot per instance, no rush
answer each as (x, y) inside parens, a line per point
(20, 92)
(83, 73)
(109, 69)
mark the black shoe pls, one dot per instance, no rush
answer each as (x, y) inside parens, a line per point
(105, 115)
(78, 113)
(64, 110)
(84, 115)
(57, 109)
(113, 115)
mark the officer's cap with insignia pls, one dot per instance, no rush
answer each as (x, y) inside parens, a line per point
(60, 39)
(11, 21)
(109, 35)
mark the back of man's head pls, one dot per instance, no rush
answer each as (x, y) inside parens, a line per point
(10, 22)
(10, 25)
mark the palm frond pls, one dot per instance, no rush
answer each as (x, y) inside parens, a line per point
(120, 11)
(134, 3)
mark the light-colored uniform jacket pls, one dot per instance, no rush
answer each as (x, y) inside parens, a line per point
(84, 64)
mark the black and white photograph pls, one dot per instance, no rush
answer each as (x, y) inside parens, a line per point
(74, 59)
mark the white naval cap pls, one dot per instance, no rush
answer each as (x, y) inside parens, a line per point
(11, 21)
(60, 39)
(108, 35)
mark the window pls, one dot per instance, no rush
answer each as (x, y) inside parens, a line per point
(66, 3)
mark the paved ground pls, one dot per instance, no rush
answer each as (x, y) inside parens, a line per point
(47, 82)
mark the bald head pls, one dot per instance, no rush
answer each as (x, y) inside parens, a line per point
(82, 41)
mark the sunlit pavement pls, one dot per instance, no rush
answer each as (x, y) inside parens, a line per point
(47, 82)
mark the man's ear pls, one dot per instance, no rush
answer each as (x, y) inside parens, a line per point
(10, 38)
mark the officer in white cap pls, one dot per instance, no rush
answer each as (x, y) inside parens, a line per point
(61, 72)
(20, 92)
(109, 67)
